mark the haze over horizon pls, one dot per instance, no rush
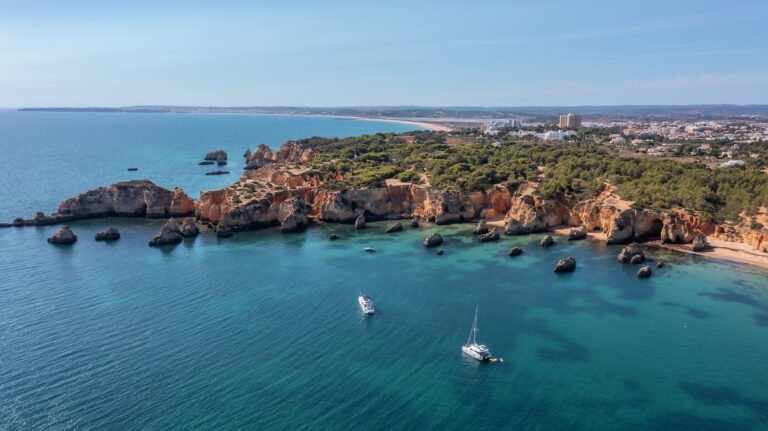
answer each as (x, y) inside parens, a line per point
(338, 54)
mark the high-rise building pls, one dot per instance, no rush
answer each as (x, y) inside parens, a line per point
(569, 121)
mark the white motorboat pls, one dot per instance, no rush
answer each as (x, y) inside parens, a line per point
(477, 351)
(370, 249)
(366, 304)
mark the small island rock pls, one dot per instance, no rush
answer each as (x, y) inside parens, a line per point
(644, 271)
(628, 252)
(414, 223)
(333, 237)
(63, 236)
(170, 233)
(546, 241)
(189, 228)
(440, 252)
(433, 240)
(638, 258)
(515, 251)
(397, 227)
(360, 222)
(110, 234)
(214, 155)
(566, 265)
(660, 264)
(493, 235)
(481, 228)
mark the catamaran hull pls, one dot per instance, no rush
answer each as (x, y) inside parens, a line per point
(472, 353)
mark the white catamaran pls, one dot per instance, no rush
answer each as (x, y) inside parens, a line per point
(477, 351)
(366, 304)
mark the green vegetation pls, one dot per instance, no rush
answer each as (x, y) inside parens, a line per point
(575, 169)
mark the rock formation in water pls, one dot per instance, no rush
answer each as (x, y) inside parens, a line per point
(629, 252)
(566, 265)
(206, 162)
(397, 227)
(440, 252)
(660, 264)
(137, 198)
(433, 240)
(292, 215)
(360, 221)
(223, 231)
(515, 251)
(638, 258)
(481, 228)
(546, 241)
(333, 236)
(215, 155)
(170, 233)
(189, 227)
(644, 272)
(221, 160)
(493, 235)
(109, 234)
(414, 223)
(217, 173)
(63, 236)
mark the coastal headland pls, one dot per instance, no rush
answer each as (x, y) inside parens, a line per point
(292, 188)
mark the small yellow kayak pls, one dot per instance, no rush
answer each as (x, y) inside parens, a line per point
(493, 359)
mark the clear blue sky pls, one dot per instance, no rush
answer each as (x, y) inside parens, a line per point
(510, 53)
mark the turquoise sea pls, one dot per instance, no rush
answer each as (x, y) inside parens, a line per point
(263, 331)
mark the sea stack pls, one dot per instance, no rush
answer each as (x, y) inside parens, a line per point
(63, 236)
(630, 252)
(433, 240)
(397, 227)
(566, 265)
(546, 241)
(170, 233)
(215, 155)
(109, 234)
(493, 235)
(360, 221)
(189, 227)
(481, 228)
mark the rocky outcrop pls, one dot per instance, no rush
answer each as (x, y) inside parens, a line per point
(109, 234)
(221, 160)
(577, 233)
(189, 227)
(481, 228)
(137, 198)
(333, 237)
(629, 252)
(414, 223)
(660, 264)
(635, 225)
(292, 214)
(515, 251)
(290, 152)
(546, 241)
(440, 252)
(170, 233)
(397, 227)
(360, 222)
(493, 235)
(699, 243)
(63, 236)
(644, 272)
(433, 240)
(638, 258)
(215, 155)
(566, 265)
(529, 214)
(223, 231)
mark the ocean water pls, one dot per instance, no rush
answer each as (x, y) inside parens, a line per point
(263, 331)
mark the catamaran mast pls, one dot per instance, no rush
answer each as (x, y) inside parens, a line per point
(473, 332)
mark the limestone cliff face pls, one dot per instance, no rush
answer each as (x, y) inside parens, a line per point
(138, 198)
(528, 214)
(290, 152)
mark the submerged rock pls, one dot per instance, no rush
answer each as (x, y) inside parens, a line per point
(515, 251)
(217, 173)
(214, 155)
(433, 240)
(566, 265)
(481, 228)
(397, 227)
(493, 235)
(546, 241)
(63, 236)
(333, 237)
(440, 252)
(170, 233)
(18, 221)
(223, 231)
(660, 264)
(206, 162)
(628, 252)
(699, 242)
(360, 222)
(578, 233)
(110, 234)
(644, 271)
(133, 169)
(189, 227)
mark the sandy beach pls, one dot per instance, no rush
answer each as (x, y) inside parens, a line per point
(426, 125)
